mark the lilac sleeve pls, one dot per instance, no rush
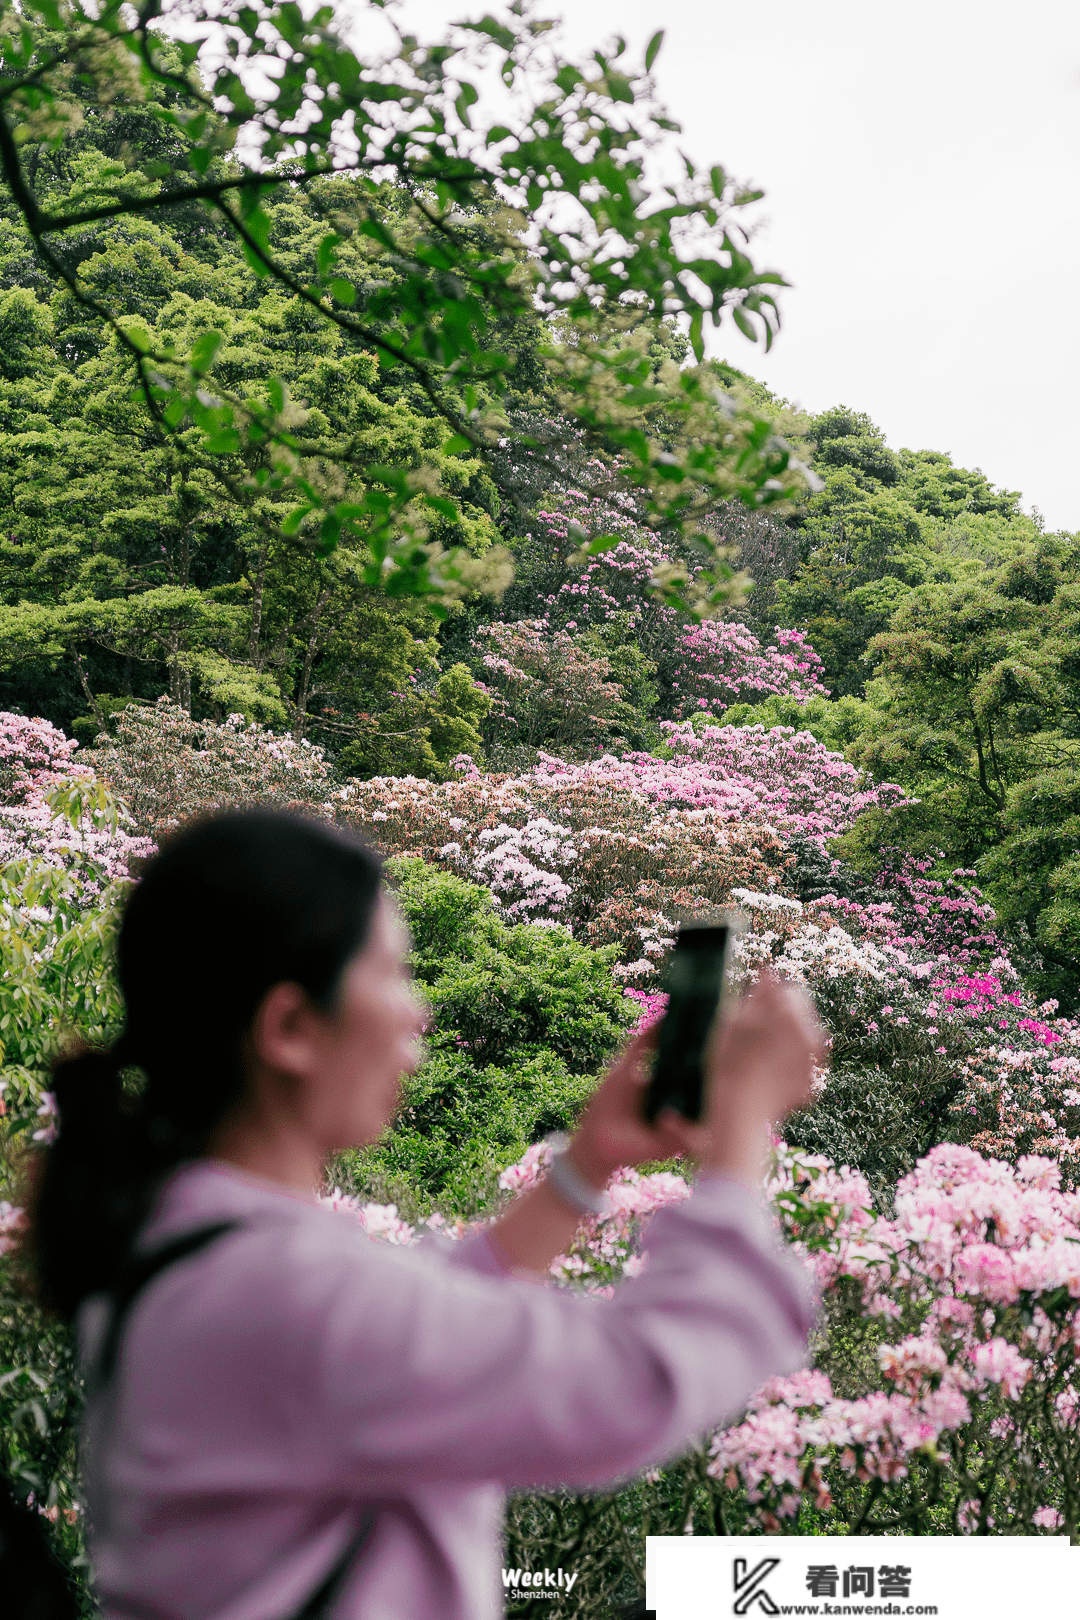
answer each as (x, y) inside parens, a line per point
(464, 1373)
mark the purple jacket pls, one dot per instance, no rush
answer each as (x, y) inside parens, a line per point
(275, 1385)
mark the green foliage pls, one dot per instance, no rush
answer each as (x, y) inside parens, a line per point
(107, 129)
(884, 522)
(835, 722)
(522, 1018)
(57, 929)
(40, 1399)
(975, 712)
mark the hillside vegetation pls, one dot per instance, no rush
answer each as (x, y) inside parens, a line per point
(336, 501)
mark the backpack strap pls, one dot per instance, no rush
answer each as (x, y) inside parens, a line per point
(137, 1272)
(322, 1600)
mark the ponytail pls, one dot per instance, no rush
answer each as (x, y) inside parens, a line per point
(232, 905)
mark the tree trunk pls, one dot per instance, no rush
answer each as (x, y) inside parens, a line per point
(257, 606)
(313, 647)
(179, 677)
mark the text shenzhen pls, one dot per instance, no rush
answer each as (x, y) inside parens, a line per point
(530, 1584)
(953, 1577)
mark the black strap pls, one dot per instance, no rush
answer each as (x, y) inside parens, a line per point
(137, 1272)
(323, 1598)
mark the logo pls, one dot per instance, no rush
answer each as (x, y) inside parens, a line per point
(749, 1585)
(542, 1583)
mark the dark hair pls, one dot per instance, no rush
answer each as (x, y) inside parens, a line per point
(232, 905)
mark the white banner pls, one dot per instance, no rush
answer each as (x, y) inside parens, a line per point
(953, 1577)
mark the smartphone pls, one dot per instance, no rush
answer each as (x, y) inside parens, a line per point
(694, 981)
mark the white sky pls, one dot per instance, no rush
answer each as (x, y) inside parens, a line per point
(920, 163)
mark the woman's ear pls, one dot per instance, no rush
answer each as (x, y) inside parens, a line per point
(285, 1031)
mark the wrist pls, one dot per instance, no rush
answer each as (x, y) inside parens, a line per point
(569, 1186)
(591, 1165)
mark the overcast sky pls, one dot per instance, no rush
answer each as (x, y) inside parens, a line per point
(920, 163)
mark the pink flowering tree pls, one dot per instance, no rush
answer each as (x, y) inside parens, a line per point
(703, 666)
(165, 766)
(65, 857)
(54, 810)
(723, 662)
(551, 689)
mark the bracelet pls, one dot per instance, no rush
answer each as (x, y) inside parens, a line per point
(571, 1187)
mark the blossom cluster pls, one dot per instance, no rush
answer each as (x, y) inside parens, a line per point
(703, 667)
(52, 810)
(165, 766)
(970, 1299)
(966, 1301)
(575, 845)
(614, 847)
(723, 662)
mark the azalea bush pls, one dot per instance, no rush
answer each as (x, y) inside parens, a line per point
(166, 767)
(707, 665)
(943, 1396)
(54, 811)
(921, 1050)
(615, 847)
(552, 690)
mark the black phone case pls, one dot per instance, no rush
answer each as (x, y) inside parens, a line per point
(695, 984)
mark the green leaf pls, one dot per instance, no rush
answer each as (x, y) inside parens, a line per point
(291, 524)
(204, 350)
(140, 337)
(49, 10)
(225, 442)
(329, 534)
(275, 389)
(324, 257)
(744, 324)
(652, 50)
(377, 231)
(200, 158)
(343, 291)
(457, 445)
(465, 100)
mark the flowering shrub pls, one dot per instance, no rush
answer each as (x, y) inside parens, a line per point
(614, 847)
(724, 662)
(53, 811)
(705, 666)
(907, 905)
(551, 689)
(781, 776)
(968, 1302)
(916, 1056)
(574, 845)
(166, 766)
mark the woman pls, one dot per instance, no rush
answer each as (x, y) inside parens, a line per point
(288, 1418)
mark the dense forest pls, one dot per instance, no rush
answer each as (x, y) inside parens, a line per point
(840, 688)
(943, 619)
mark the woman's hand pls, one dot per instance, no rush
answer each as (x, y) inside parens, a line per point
(758, 1069)
(613, 1131)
